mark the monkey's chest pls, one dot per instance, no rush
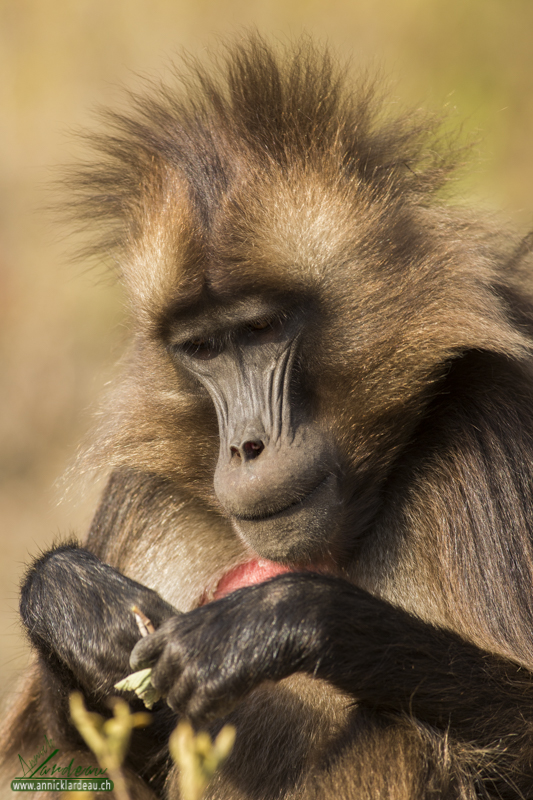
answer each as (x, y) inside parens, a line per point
(284, 731)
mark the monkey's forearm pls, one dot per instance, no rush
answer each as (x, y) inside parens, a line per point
(390, 660)
(78, 615)
(385, 658)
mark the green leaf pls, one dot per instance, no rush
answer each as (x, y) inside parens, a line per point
(140, 683)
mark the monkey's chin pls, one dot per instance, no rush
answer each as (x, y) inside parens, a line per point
(299, 532)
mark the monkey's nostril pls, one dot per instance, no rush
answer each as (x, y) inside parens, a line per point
(248, 450)
(252, 449)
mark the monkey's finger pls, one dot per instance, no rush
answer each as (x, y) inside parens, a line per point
(167, 672)
(147, 651)
(179, 695)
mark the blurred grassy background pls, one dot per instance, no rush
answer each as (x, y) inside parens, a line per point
(62, 327)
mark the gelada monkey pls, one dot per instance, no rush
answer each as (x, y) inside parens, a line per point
(320, 451)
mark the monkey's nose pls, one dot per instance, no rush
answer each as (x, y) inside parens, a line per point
(248, 450)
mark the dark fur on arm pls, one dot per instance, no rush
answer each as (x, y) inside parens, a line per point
(78, 614)
(384, 657)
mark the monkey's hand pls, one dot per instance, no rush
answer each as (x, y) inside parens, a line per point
(78, 615)
(205, 661)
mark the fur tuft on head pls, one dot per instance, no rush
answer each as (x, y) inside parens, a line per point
(260, 108)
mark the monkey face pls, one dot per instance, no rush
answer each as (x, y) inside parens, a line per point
(276, 476)
(294, 311)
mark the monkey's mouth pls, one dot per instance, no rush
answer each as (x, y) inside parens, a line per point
(295, 534)
(297, 538)
(296, 505)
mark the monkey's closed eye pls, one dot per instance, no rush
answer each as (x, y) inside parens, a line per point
(260, 325)
(202, 349)
(265, 330)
